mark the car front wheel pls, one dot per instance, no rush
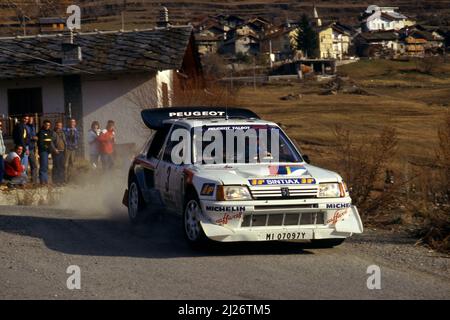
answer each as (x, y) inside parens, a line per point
(191, 223)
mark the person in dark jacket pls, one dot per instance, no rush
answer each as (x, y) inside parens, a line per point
(2, 153)
(32, 161)
(58, 154)
(45, 147)
(72, 139)
(21, 138)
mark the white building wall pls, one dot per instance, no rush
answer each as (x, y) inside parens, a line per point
(52, 93)
(164, 77)
(120, 99)
(379, 24)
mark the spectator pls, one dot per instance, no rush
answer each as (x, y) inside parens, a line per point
(58, 153)
(72, 139)
(2, 153)
(14, 170)
(32, 161)
(45, 147)
(93, 134)
(106, 145)
(20, 133)
(21, 137)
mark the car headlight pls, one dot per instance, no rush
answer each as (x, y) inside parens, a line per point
(331, 190)
(233, 193)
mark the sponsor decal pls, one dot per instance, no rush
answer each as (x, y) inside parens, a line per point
(227, 217)
(284, 170)
(208, 189)
(225, 209)
(268, 182)
(338, 215)
(338, 205)
(228, 128)
(196, 113)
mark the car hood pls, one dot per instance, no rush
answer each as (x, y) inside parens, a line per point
(242, 173)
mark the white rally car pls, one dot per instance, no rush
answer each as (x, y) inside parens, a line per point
(237, 196)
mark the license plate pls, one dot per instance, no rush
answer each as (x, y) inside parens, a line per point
(294, 235)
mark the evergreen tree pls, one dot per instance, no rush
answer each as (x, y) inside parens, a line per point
(307, 37)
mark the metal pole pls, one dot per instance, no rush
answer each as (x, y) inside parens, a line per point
(231, 78)
(70, 110)
(270, 54)
(254, 73)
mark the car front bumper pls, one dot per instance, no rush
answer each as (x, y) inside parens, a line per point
(276, 220)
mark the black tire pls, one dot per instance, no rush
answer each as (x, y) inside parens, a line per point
(192, 229)
(327, 243)
(136, 203)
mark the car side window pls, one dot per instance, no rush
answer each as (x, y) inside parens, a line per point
(158, 141)
(167, 156)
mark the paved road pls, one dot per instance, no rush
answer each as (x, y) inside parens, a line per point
(153, 262)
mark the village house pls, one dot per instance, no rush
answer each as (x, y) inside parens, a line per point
(418, 43)
(245, 29)
(98, 75)
(373, 44)
(210, 38)
(377, 18)
(231, 21)
(259, 25)
(280, 42)
(51, 24)
(241, 45)
(334, 40)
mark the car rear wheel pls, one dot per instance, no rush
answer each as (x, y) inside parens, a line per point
(192, 228)
(136, 205)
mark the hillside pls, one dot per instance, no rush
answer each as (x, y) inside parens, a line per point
(106, 14)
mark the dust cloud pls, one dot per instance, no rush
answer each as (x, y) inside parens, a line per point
(96, 194)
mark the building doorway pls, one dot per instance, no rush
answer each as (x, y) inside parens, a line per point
(24, 101)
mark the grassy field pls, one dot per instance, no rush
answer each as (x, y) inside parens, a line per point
(413, 103)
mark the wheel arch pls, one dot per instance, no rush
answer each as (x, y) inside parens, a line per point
(137, 175)
(190, 191)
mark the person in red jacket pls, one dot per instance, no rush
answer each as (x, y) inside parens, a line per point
(106, 142)
(14, 169)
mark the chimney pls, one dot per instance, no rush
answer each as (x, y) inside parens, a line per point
(163, 21)
(71, 53)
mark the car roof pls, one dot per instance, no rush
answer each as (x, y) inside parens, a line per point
(192, 123)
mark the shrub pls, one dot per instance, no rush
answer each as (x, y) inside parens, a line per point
(363, 164)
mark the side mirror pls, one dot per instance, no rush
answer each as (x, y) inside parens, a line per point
(306, 158)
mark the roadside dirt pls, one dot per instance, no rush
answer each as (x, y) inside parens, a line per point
(154, 262)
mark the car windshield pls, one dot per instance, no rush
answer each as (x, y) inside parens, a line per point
(243, 144)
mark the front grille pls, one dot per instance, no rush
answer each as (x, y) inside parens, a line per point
(274, 192)
(287, 206)
(283, 219)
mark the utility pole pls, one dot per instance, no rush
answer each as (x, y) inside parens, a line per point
(254, 73)
(122, 14)
(270, 54)
(24, 25)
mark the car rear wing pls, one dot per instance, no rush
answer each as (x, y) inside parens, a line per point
(154, 118)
